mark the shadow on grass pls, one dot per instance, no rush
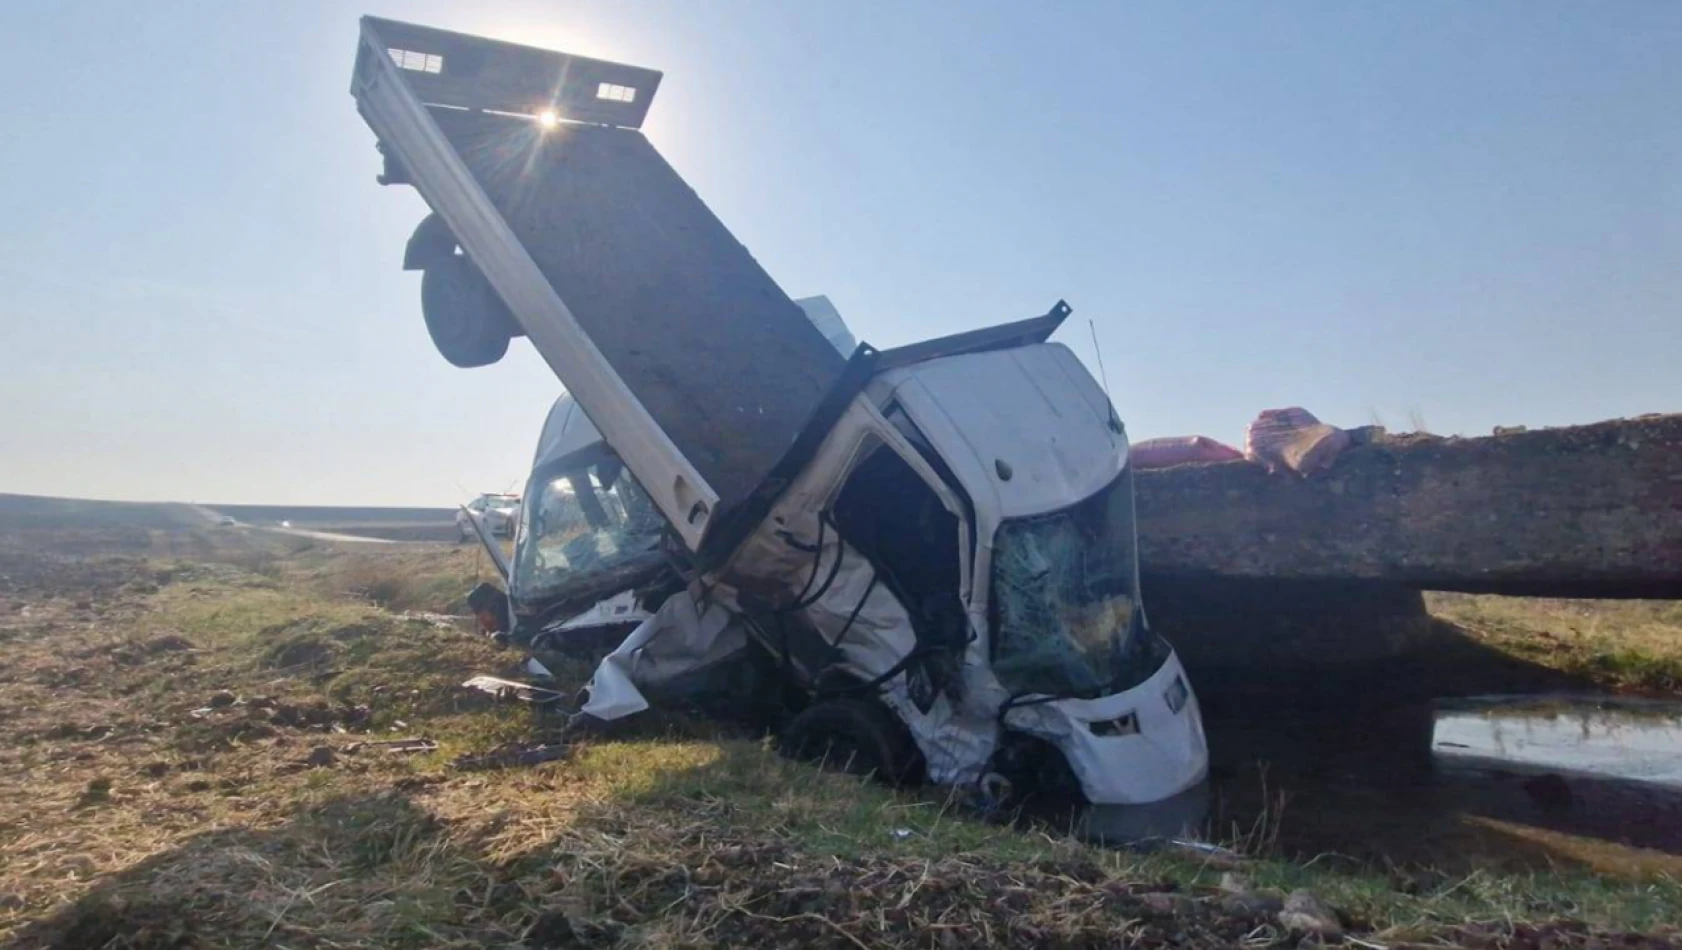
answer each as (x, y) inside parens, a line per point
(364, 870)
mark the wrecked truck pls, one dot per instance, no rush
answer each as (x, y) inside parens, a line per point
(932, 547)
(587, 534)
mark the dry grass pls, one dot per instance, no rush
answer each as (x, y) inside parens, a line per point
(160, 787)
(1633, 645)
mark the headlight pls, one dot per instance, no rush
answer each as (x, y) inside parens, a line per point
(1176, 694)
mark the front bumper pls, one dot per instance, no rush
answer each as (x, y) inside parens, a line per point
(1157, 753)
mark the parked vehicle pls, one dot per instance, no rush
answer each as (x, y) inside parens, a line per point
(499, 513)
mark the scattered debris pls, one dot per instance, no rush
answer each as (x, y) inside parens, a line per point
(394, 746)
(513, 689)
(1213, 855)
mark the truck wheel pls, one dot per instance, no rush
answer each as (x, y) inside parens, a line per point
(469, 323)
(857, 736)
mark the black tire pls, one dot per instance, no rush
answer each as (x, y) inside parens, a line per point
(857, 736)
(468, 322)
(1035, 770)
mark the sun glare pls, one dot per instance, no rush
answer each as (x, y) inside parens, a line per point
(548, 119)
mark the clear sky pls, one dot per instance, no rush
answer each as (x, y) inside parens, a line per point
(1462, 213)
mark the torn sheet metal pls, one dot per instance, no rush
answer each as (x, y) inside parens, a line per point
(955, 736)
(513, 689)
(686, 635)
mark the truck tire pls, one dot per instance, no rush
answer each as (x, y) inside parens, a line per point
(856, 736)
(468, 322)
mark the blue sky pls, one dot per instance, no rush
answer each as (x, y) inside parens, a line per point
(1466, 214)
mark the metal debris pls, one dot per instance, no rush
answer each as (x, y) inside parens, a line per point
(513, 689)
(395, 746)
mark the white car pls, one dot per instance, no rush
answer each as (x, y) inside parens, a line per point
(498, 513)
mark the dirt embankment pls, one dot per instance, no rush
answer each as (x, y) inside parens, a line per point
(195, 752)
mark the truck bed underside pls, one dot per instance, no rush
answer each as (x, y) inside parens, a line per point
(727, 365)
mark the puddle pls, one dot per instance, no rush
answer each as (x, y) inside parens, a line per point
(1536, 781)
(1632, 741)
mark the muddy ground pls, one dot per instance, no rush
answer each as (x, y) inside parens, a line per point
(198, 749)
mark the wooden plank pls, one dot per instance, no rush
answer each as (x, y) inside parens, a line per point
(726, 364)
(1584, 511)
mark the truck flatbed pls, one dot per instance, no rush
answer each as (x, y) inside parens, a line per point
(690, 360)
(726, 363)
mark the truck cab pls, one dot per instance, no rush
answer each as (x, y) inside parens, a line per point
(969, 527)
(587, 540)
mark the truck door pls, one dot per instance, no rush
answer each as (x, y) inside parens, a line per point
(901, 518)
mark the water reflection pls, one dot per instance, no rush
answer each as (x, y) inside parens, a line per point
(1637, 741)
(1526, 780)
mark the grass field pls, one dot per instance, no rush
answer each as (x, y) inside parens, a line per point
(1628, 645)
(189, 758)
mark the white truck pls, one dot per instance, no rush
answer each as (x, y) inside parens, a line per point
(933, 545)
(587, 532)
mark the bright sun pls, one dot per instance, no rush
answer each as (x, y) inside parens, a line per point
(548, 119)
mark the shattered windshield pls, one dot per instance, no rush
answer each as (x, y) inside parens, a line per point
(1064, 597)
(587, 518)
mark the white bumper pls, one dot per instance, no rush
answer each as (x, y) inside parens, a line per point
(1165, 754)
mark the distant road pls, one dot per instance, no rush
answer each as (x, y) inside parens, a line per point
(346, 523)
(334, 514)
(322, 522)
(320, 535)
